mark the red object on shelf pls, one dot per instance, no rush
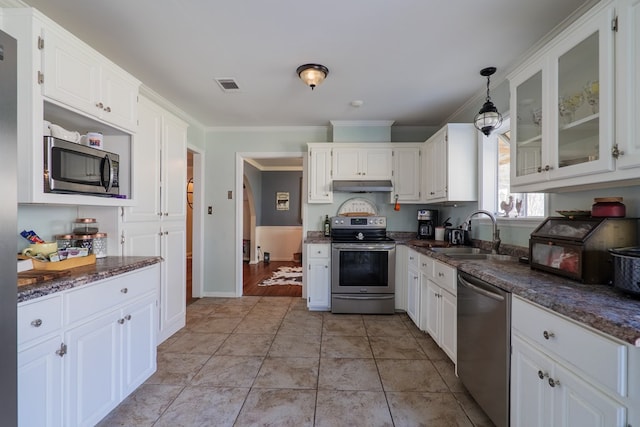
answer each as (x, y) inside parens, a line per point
(611, 207)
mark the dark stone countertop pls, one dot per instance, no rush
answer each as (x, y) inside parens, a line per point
(601, 307)
(104, 268)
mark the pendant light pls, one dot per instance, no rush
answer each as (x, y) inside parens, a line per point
(488, 118)
(312, 74)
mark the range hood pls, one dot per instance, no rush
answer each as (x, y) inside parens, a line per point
(363, 186)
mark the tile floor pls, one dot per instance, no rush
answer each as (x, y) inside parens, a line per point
(268, 361)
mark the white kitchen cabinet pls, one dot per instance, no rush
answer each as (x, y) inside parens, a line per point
(567, 135)
(413, 286)
(450, 164)
(563, 374)
(358, 163)
(79, 77)
(407, 161)
(318, 276)
(319, 174)
(402, 258)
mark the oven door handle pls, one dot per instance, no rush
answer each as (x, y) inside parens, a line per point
(363, 246)
(363, 297)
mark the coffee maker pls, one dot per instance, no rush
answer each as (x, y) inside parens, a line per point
(427, 220)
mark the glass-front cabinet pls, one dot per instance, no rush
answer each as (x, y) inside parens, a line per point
(563, 102)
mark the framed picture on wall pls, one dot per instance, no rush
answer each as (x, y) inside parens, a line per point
(282, 200)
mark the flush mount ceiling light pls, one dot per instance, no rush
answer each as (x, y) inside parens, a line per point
(312, 74)
(488, 118)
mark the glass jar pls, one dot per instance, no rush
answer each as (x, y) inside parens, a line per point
(85, 226)
(608, 207)
(83, 241)
(64, 241)
(100, 245)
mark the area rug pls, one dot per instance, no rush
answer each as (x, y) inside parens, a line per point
(284, 276)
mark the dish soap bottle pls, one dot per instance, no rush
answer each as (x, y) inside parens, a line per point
(327, 226)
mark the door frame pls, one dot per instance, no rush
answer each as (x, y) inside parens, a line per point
(197, 238)
(240, 159)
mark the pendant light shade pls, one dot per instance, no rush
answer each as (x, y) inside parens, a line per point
(312, 74)
(488, 118)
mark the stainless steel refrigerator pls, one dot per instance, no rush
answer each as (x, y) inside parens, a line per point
(8, 230)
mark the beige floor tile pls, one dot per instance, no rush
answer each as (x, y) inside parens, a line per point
(268, 311)
(177, 368)
(343, 324)
(348, 374)
(301, 327)
(214, 325)
(245, 345)
(474, 412)
(288, 372)
(196, 342)
(275, 408)
(381, 326)
(343, 346)
(430, 348)
(258, 325)
(143, 407)
(228, 310)
(228, 371)
(446, 369)
(204, 406)
(352, 408)
(410, 375)
(426, 409)
(396, 347)
(295, 346)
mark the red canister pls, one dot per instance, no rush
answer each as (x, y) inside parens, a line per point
(611, 207)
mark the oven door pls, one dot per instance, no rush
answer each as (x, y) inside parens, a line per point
(363, 268)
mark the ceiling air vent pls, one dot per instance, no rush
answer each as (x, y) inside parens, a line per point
(228, 85)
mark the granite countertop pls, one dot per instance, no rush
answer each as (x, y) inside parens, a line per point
(601, 307)
(102, 269)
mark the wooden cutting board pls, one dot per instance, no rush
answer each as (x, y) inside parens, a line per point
(32, 277)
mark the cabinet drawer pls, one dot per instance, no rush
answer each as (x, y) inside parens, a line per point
(39, 318)
(103, 295)
(413, 259)
(318, 250)
(445, 276)
(592, 354)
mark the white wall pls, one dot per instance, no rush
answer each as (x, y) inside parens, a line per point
(280, 242)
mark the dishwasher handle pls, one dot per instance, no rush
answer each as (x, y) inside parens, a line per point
(481, 290)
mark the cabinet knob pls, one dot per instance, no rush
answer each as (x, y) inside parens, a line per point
(166, 232)
(166, 214)
(548, 335)
(553, 382)
(159, 213)
(107, 109)
(542, 375)
(124, 290)
(99, 105)
(121, 321)
(127, 317)
(36, 323)
(440, 274)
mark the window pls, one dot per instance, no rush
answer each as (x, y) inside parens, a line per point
(510, 204)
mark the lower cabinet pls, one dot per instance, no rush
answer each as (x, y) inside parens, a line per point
(318, 276)
(83, 351)
(565, 375)
(413, 286)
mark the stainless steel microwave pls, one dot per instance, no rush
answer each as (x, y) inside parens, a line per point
(74, 168)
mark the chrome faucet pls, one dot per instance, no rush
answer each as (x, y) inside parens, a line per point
(496, 233)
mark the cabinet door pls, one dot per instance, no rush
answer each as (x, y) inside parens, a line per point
(413, 295)
(346, 163)
(146, 168)
(402, 258)
(376, 163)
(40, 385)
(406, 174)
(138, 343)
(172, 280)
(628, 85)
(319, 179)
(449, 325)
(174, 168)
(141, 239)
(71, 72)
(119, 96)
(92, 370)
(319, 284)
(431, 319)
(436, 168)
(530, 400)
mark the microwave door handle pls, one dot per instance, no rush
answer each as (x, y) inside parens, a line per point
(107, 162)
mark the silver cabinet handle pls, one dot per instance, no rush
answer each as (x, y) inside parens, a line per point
(548, 335)
(99, 105)
(553, 382)
(107, 109)
(36, 323)
(542, 375)
(124, 290)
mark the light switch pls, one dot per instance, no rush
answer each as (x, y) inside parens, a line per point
(229, 194)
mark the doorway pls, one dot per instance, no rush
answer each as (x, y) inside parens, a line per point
(194, 224)
(257, 235)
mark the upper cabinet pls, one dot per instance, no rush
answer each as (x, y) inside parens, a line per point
(77, 76)
(450, 165)
(406, 173)
(362, 163)
(565, 133)
(319, 176)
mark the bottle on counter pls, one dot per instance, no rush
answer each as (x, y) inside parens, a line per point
(327, 226)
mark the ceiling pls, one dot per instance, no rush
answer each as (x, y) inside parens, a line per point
(412, 61)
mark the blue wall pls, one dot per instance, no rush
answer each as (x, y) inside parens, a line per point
(281, 181)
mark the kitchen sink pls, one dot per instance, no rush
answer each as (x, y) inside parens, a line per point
(461, 250)
(483, 256)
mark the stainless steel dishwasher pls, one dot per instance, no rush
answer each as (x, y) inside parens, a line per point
(484, 345)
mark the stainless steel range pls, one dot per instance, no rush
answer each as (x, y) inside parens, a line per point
(362, 265)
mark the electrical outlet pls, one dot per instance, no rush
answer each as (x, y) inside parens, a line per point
(210, 210)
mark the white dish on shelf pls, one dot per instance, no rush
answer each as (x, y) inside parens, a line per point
(358, 205)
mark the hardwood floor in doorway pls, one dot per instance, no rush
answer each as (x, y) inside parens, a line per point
(252, 274)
